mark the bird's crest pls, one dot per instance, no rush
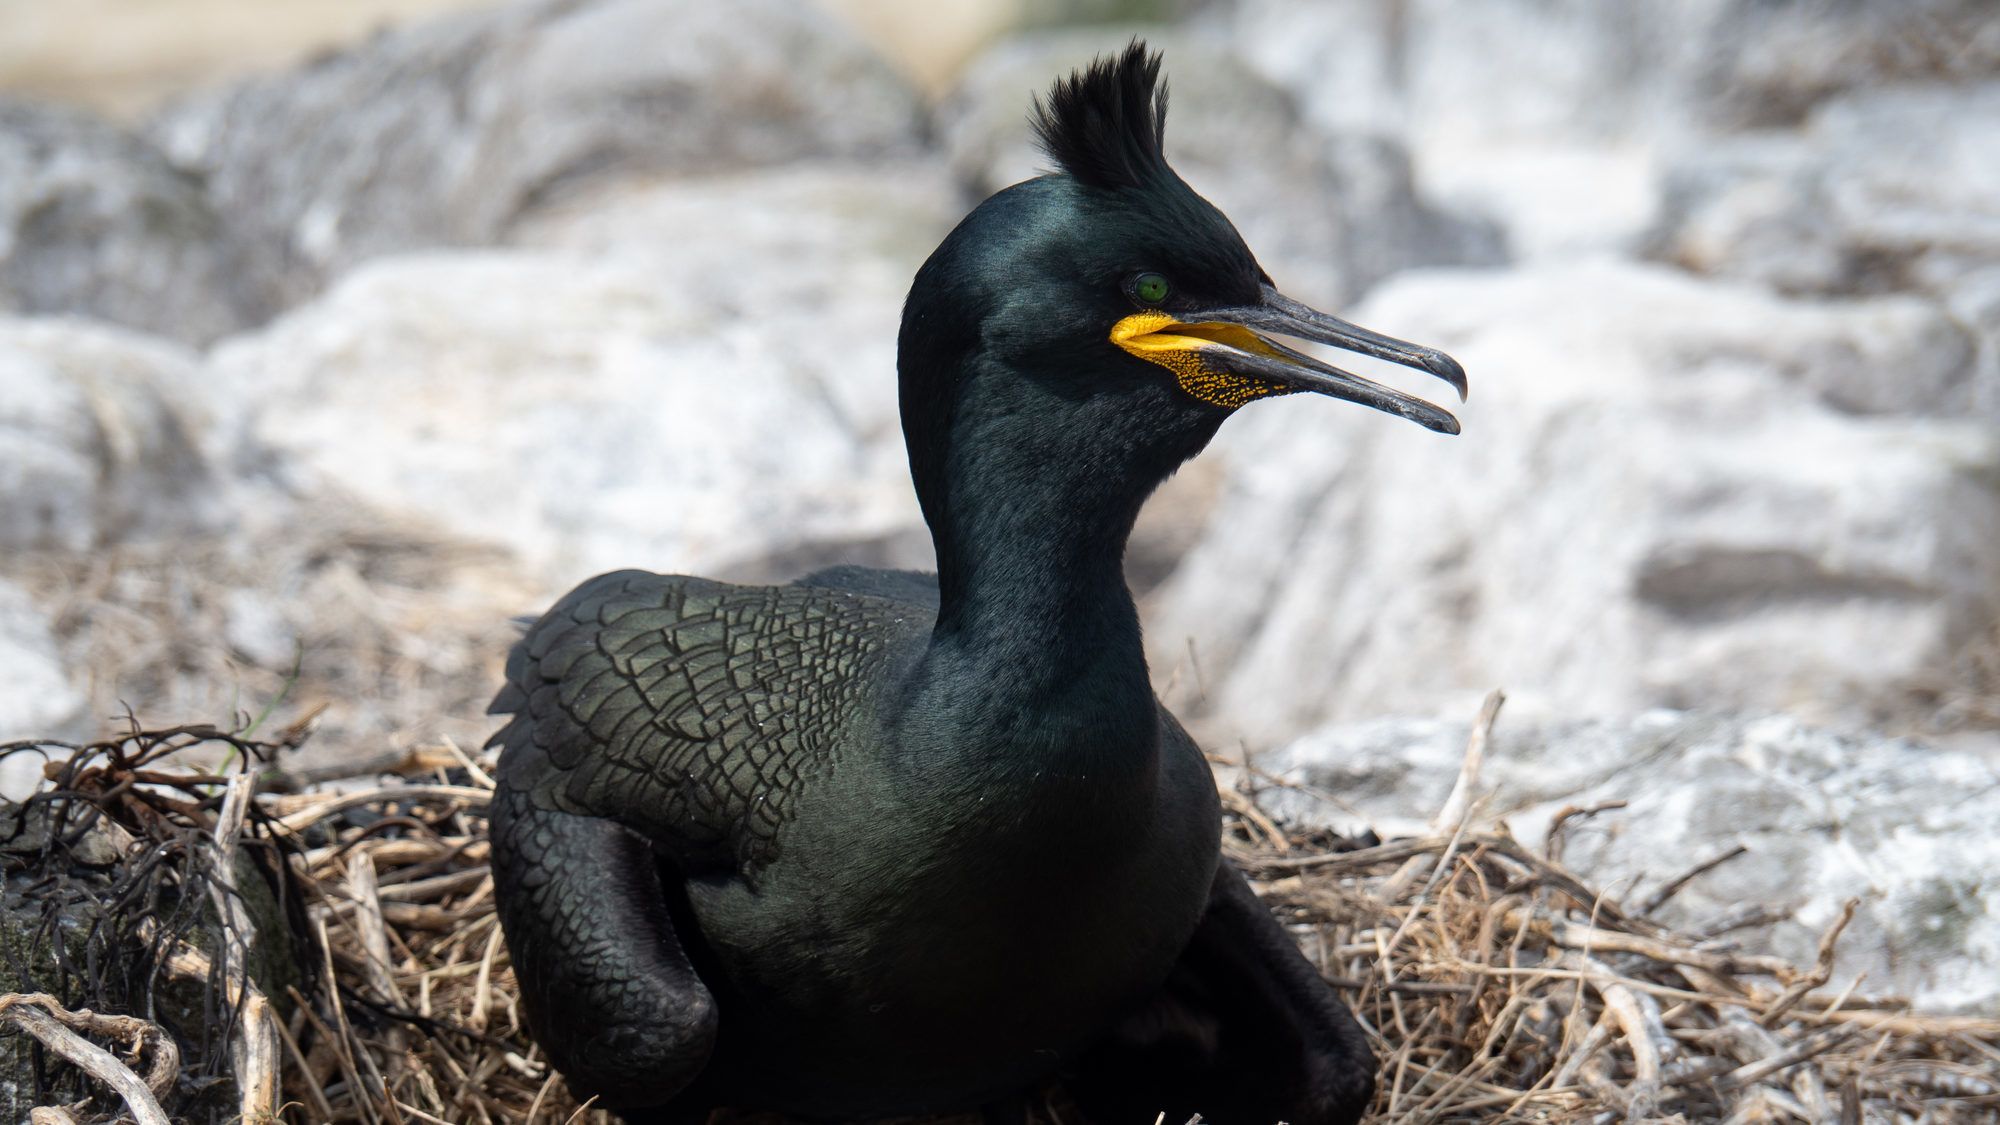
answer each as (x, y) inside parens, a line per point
(1103, 125)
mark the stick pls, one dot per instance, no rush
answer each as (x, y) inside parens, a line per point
(1552, 840)
(1638, 1016)
(1751, 1044)
(1459, 802)
(27, 1011)
(1822, 970)
(144, 1034)
(1576, 935)
(1818, 1042)
(1450, 819)
(377, 966)
(479, 776)
(482, 995)
(310, 1083)
(253, 1050)
(1659, 898)
(317, 807)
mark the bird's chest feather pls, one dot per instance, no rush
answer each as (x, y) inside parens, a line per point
(977, 933)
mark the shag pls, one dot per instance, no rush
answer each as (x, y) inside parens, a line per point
(882, 843)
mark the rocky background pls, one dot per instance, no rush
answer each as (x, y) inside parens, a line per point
(314, 370)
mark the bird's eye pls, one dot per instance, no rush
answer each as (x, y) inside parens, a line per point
(1150, 288)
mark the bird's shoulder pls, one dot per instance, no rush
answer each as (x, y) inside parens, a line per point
(918, 588)
(691, 710)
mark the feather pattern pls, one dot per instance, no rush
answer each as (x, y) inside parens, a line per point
(688, 710)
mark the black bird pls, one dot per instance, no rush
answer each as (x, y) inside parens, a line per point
(883, 843)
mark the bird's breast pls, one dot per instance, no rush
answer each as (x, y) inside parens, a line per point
(967, 946)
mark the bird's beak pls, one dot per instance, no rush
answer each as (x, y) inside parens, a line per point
(1222, 356)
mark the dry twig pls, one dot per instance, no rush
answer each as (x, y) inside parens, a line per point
(51, 1024)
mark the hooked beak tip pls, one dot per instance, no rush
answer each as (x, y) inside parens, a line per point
(1448, 369)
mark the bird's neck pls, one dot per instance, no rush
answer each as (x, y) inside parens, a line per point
(1036, 628)
(1031, 576)
(1036, 654)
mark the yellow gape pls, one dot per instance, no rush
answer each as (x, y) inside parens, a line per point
(1158, 338)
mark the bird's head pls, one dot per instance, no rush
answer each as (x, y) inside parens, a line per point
(1109, 309)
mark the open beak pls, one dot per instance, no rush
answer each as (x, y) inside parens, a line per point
(1230, 344)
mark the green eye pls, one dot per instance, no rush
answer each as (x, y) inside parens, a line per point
(1151, 288)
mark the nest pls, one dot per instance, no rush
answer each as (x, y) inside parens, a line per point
(1497, 985)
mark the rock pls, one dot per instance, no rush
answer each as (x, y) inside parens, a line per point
(816, 259)
(1504, 70)
(1903, 826)
(1548, 116)
(1596, 70)
(1328, 214)
(1662, 497)
(95, 221)
(450, 132)
(102, 431)
(1529, 115)
(1759, 63)
(1882, 190)
(257, 627)
(36, 699)
(1974, 300)
(578, 412)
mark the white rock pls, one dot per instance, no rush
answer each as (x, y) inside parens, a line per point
(95, 221)
(817, 258)
(1533, 115)
(102, 437)
(1751, 63)
(256, 626)
(36, 698)
(1905, 827)
(1505, 69)
(1975, 300)
(1883, 189)
(577, 412)
(1547, 70)
(1548, 116)
(1655, 502)
(449, 132)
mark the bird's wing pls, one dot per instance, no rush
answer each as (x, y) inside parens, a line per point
(687, 710)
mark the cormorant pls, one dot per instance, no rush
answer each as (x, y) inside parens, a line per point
(882, 843)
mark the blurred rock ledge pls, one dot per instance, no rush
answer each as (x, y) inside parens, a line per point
(96, 221)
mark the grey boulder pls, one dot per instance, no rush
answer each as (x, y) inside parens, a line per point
(95, 221)
(450, 132)
(692, 376)
(104, 431)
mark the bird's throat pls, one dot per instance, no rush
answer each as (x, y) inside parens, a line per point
(1037, 644)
